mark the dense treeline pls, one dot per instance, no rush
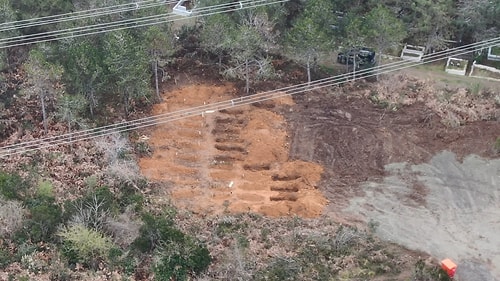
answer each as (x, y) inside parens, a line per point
(79, 77)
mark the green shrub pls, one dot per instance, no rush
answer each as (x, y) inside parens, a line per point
(45, 189)
(199, 258)
(128, 264)
(12, 186)
(157, 230)
(5, 258)
(496, 146)
(179, 254)
(178, 261)
(115, 256)
(86, 245)
(25, 248)
(130, 196)
(46, 215)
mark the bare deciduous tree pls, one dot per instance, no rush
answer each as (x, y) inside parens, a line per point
(124, 228)
(92, 214)
(116, 150)
(11, 217)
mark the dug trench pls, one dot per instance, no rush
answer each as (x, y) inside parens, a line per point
(294, 155)
(234, 160)
(309, 155)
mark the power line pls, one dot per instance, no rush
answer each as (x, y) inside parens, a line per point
(69, 14)
(130, 23)
(92, 27)
(193, 111)
(342, 77)
(108, 10)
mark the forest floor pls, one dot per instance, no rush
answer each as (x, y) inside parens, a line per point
(416, 160)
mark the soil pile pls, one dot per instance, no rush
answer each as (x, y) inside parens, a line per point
(235, 160)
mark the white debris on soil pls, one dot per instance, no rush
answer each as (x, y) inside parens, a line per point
(445, 207)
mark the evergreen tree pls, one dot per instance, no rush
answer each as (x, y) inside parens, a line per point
(31, 9)
(478, 19)
(384, 30)
(309, 37)
(42, 80)
(127, 64)
(85, 70)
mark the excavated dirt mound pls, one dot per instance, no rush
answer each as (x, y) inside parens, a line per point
(275, 158)
(261, 158)
(234, 160)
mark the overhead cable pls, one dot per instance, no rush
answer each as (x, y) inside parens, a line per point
(83, 14)
(99, 28)
(246, 100)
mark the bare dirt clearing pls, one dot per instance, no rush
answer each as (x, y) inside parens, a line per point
(234, 160)
(284, 157)
(355, 141)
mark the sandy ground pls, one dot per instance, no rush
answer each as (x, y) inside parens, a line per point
(333, 153)
(444, 207)
(230, 161)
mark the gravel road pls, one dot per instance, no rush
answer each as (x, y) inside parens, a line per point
(446, 207)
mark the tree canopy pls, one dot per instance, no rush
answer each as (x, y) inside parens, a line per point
(308, 38)
(123, 68)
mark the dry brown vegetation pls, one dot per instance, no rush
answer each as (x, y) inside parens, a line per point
(282, 148)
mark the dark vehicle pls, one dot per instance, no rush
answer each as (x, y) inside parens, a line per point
(363, 57)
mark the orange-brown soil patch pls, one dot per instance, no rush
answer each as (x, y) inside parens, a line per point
(235, 160)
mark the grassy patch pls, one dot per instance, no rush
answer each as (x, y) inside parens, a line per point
(496, 146)
(495, 51)
(434, 67)
(486, 73)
